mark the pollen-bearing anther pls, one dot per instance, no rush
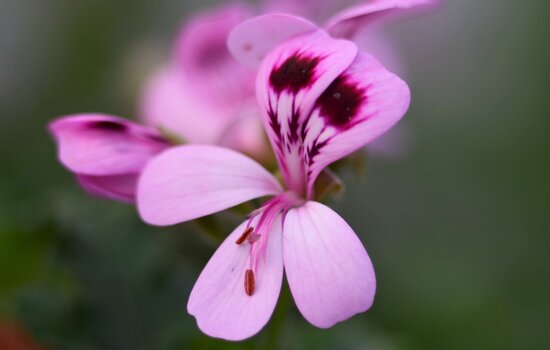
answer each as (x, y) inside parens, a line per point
(249, 282)
(244, 235)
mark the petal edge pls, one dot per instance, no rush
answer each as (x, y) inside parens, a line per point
(328, 270)
(218, 300)
(190, 181)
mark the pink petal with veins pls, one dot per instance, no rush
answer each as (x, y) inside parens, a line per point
(219, 302)
(191, 181)
(328, 270)
(98, 144)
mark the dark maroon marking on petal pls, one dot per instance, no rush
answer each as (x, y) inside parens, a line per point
(276, 127)
(340, 102)
(314, 150)
(304, 129)
(296, 73)
(293, 123)
(108, 125)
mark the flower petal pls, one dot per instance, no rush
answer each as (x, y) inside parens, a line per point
(97, 144)
(170, 102)
(117, 187)
(202, 53)
(328, 270)
(314, 10)
(218, 300)
(191, 181)
(252, 40)
(290, 80)
(246, 134)
(361, 104)
(347, 22)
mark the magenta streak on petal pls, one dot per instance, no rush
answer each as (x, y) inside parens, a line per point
(269, 214)
(262, 228)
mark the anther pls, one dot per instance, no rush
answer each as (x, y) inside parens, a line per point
(249, 282)
(245, 235)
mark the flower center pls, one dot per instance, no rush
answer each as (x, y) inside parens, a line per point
(257, 236)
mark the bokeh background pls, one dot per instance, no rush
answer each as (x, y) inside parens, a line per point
(457, 225)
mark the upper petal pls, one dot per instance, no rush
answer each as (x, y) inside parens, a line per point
(171, 102)
(361, 104)
(252, 40)
(328, 270)
(97, 144)
(290, 80)
(347, 22)
(201, 51)
(191, 181)
(218, 300)
(314, 10)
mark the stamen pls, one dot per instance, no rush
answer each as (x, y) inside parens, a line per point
(258, 236)
(253, 238)
(249, 282)
(245, 235)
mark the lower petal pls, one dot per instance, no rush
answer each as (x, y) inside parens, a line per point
(329, 272)
(218, 300)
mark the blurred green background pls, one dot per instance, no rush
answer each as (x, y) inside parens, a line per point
(457, 227)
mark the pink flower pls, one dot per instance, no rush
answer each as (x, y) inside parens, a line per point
(320, 99)
(203, 94)
(350, 19)
(106, 153)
